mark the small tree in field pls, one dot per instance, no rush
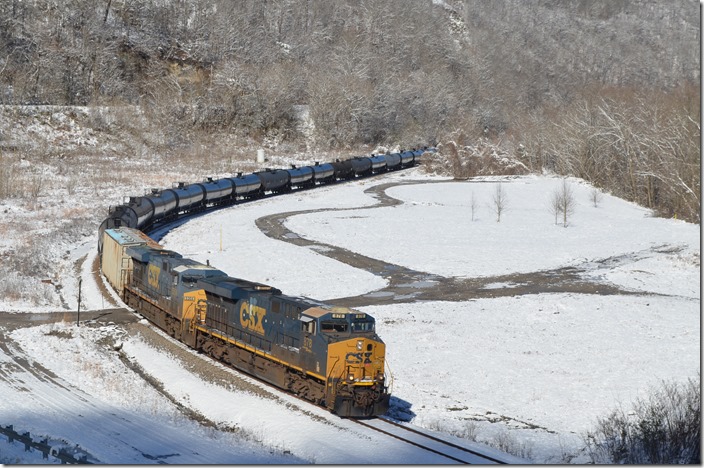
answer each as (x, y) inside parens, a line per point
(474, 205)
(562, 202)
(595, 197)
(500, 201)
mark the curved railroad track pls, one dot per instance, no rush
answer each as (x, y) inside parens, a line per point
(430, 443)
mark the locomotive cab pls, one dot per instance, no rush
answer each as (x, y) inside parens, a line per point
(355, 380)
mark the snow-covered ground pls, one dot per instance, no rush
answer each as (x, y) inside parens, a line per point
(533, 372)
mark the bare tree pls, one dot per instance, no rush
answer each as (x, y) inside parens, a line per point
(500, 201)
(562, 202)
(474, 205)
(595, 196)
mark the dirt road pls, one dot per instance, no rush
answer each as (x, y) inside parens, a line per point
(407, 285)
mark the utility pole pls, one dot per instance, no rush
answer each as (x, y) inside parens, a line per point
(78, 315)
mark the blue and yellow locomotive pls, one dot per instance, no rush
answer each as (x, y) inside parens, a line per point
(328, 355)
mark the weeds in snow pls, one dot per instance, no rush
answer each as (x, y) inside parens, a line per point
(507, 443)
(664, 428)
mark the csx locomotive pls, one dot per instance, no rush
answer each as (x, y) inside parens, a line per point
(328, 355)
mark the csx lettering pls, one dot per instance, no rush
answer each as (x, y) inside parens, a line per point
(356, 358)
(153, 276)
(252, 317)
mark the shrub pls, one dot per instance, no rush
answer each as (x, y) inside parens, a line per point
(663, 428)
(507, 443)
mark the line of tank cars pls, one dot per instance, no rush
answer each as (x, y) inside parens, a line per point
(328, 355)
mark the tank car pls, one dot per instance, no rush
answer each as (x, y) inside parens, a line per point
(343, 169)
(274, 180)
(165, 203)
(247, 186)
(137, 212)
(407, 158)
(218, 192)
(393, 161)
(361, 166)
(378, 163)
(300, 176)
(189, 197)
(323, 173)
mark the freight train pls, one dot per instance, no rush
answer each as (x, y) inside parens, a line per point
(328, 355)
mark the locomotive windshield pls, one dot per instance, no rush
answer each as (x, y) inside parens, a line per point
(360, 326)
(334, 326)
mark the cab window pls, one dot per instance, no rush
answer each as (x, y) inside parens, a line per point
(333, 326)
(189, 281)
(359, 327)
(308, 325)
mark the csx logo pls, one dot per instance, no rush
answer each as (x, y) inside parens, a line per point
(357, 358)
(252, 317)
(153, 276)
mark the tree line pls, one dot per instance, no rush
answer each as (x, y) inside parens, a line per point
(597, 89)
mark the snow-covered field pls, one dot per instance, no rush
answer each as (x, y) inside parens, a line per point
(532, 372)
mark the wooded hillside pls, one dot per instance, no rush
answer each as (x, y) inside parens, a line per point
(600, 89)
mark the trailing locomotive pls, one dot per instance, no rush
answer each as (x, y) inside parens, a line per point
(328, 355)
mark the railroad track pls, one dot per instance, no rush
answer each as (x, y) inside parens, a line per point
(428, 442)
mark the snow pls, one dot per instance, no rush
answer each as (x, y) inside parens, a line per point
(94, 402)
(538, 368)
(438, 217)
(248, 253)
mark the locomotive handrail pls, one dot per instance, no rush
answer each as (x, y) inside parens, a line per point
(391, 375)
(329, 377)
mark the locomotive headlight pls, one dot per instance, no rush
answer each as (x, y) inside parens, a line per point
(350, 377)
(359, 345)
